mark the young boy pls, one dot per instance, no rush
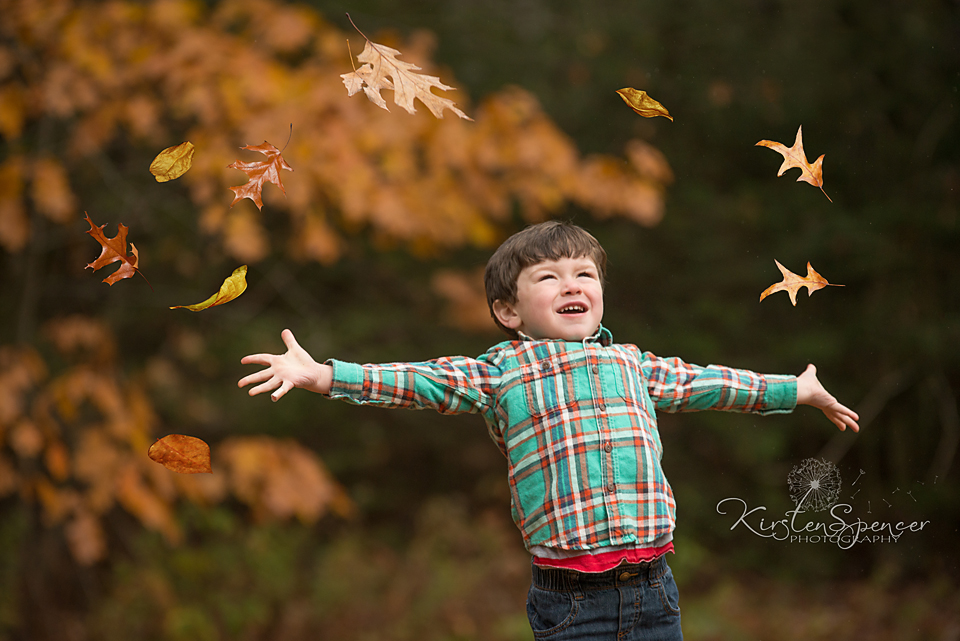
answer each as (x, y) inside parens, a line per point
(575, 415)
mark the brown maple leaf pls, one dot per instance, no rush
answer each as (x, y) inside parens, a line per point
(792, 283)
(114, 249)
(259, 173)
(181, 453)
(381, 62)
(795, 157)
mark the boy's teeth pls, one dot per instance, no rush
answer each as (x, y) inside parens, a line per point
(573, 309)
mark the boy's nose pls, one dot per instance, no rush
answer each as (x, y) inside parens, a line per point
(571, 286)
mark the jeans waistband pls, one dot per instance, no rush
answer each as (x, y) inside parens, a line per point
(623, 574)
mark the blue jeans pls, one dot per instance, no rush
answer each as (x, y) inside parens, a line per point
(631, 602)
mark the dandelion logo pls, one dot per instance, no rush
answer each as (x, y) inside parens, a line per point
(814, 485)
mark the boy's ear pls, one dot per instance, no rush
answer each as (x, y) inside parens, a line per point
(506, 314)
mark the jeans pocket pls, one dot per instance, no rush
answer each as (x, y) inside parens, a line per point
(550, 611)
(669, 594)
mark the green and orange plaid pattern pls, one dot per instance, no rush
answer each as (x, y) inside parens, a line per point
(577, 423)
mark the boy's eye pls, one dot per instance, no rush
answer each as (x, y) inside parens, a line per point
(546, 276)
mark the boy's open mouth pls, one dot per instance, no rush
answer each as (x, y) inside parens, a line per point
(575, 308)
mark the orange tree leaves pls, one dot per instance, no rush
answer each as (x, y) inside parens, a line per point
(72, 440)
(796, 157)
(259, 172)
(426, 185)
(792, 283)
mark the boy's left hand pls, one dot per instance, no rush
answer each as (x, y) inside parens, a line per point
(811, 392)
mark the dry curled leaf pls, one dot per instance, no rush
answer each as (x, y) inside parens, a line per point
(181, 453)
(231, 288)
(792, 283)
(114, 250)
(643, 104)
(382, 70)
(172, 162)
(796, 157)
(259, 173)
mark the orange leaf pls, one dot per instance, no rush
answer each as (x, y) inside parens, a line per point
(643, 104)
(795, 157)
(232, 287)
(172, 162)
(792, 283)
(180, 453)
(114, 249)
(259, 173)
(381, 62)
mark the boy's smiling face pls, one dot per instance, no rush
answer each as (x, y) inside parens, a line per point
(559, 299)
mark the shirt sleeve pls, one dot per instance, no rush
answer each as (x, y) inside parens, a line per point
(450, 385)
(676, 386)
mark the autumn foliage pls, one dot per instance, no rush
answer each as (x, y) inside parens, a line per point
(75, 423)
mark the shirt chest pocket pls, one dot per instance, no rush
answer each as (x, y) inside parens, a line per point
(550, 387)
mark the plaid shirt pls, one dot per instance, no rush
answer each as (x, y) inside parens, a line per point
(577, 424)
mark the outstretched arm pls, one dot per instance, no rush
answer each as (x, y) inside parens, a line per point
(811, 392)
(295, 368)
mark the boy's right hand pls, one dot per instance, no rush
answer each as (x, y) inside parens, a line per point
(295, 368)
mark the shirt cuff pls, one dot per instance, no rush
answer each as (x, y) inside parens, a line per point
(347, 380)
(780, 396)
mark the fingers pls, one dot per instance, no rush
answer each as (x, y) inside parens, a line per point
(284, 388)
(289, 340)
(268, 386)
(256, 377)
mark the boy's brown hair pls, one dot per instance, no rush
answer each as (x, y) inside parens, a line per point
(552, 240)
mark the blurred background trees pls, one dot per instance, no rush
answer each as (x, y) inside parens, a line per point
(317, 510)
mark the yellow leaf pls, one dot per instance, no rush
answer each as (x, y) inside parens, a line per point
(172, 162)
(792, 283)
(643, 104)
(181, 453)
(231, 288)
(796, 157)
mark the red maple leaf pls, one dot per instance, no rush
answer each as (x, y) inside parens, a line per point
(259, 173)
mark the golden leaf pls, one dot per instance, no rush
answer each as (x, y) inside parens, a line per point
(381, 62)
(792, 283)
(172, 162)
(643, 104)
(181, 453)
(796, 157)
(232, 287)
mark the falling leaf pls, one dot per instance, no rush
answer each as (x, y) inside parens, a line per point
(180, 453)
(795, 157)
(231, 288)
(172, 162)
(792, 283)
(259, 173)
(643, 104)
(381, 62)
(114, 249)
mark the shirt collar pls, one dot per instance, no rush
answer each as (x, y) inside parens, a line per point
(603, 336)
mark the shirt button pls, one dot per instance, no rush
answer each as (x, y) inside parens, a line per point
(545, 367)
(608, 447)
(596, 369)
(611, 487)
(602, 406)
